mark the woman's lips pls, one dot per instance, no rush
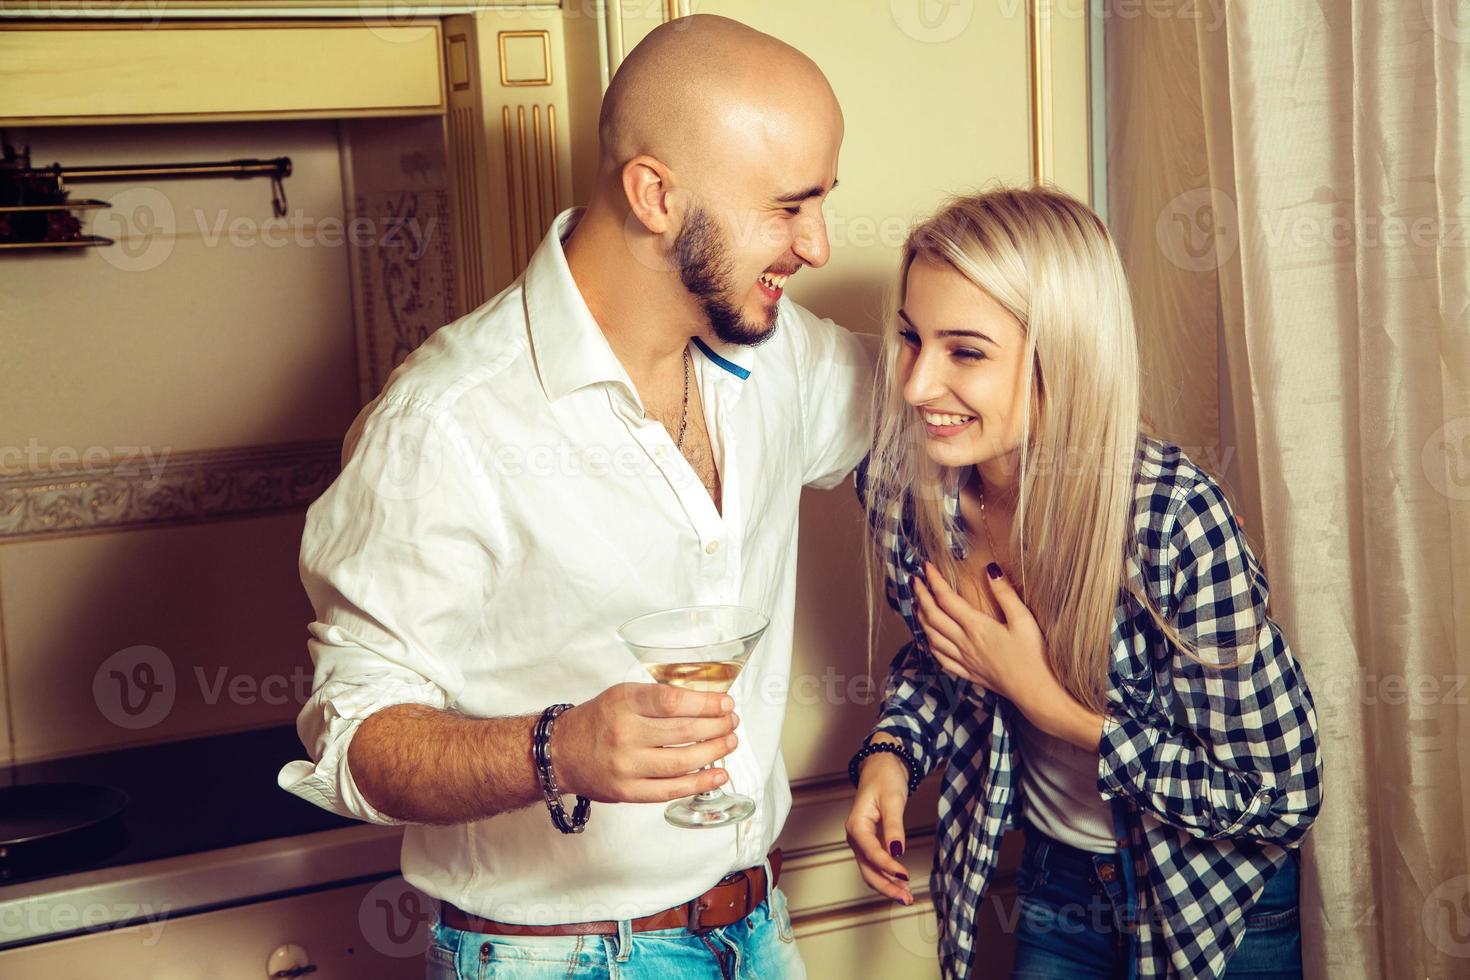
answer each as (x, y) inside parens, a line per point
(945, 431)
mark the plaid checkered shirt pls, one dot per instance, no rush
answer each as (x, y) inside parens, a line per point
(1212, 773)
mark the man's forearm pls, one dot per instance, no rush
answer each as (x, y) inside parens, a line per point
(423, 765)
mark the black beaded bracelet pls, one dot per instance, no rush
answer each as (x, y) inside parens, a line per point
(873, 748)
(541, 749)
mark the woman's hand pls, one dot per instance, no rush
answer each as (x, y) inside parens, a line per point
(1008, 657)
(875, 826)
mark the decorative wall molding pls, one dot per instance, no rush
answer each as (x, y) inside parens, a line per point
(179, 488)
(406, 287)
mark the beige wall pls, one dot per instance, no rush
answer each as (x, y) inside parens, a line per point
(182, 337)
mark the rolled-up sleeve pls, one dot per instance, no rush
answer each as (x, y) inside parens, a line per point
(1239, 758)
(396, 562)
(836, 391)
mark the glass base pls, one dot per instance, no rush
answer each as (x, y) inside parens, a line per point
(714, 809)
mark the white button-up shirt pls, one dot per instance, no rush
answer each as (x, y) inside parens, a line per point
(503, 506)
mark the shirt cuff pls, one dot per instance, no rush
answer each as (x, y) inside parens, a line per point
(327, 726)
(1125, 750)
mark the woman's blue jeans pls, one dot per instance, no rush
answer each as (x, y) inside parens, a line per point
(1072, 904)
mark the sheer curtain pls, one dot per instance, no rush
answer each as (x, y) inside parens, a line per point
(1325, 242)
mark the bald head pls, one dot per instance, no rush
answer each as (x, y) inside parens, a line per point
(719, 145)
(704, 91)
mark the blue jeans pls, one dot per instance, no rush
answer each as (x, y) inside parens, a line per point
(758, 947)
(1072, 903)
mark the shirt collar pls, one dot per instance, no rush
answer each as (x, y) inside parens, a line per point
(571, 350)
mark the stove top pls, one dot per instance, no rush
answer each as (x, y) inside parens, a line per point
(184, 797)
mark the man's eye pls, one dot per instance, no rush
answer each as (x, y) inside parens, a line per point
(792, 211)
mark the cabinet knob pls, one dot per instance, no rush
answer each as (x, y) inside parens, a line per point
(288, 962)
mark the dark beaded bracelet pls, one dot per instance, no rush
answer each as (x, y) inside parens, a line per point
(541, 749)
(854, 767)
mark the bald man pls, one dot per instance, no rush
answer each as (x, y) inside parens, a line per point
(626, 429)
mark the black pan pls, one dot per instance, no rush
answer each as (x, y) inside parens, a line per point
(41, 823)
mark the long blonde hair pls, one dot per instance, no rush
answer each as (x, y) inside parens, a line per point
(1049, 261)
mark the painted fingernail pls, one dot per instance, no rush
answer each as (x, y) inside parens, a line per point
(993, 570)
(900, 876)
(895, 848)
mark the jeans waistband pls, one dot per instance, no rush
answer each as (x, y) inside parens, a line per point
(1057, 854)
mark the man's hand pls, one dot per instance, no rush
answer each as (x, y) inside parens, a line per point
(616, 748)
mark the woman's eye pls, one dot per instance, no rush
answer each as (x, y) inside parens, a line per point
(792, 211)
(909, 337)
(966, 354)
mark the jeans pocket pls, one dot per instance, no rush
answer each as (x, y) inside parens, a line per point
(1277, 905)
(1264, 919)
(1029, 876)
(782, 913)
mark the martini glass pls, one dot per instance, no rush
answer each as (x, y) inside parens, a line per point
(698, 648)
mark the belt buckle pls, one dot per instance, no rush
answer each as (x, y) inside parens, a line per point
(696, 927)
(697, 906)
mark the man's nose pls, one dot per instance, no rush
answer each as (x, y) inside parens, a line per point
(811, 244)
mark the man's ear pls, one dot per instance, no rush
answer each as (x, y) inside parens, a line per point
(647, 187)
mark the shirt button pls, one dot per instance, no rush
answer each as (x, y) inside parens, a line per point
(712, 547)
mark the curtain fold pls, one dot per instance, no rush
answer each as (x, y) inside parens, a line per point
(1337, 150)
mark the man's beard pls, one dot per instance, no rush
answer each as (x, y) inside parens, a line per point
(704, 269)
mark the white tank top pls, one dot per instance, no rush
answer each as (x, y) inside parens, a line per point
(1059, 790)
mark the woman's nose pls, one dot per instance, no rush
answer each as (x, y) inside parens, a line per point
(924, 383)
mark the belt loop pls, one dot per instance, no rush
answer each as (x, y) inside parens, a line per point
(625, 940)
(770, 889)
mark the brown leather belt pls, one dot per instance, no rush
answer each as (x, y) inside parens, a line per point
(732, 898)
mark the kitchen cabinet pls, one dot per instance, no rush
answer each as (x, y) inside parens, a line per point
(471, 126)
(180, 71)
(347, 933)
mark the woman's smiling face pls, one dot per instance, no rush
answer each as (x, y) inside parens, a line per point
(962, 366)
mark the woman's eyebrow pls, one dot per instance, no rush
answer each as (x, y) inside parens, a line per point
(943, 334)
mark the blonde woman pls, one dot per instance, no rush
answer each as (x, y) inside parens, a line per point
(1092, 659)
